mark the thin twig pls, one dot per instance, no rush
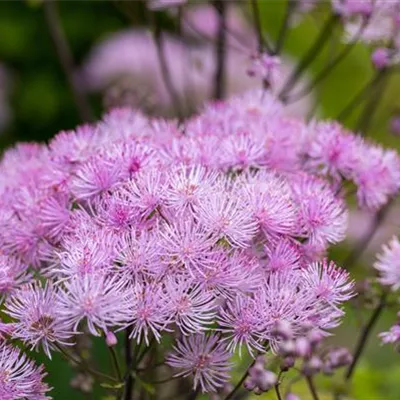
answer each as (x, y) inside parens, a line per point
(262, 42)
(371, 107)
(220, 50)
(290, 5)
(128, 363)
(115, 362)
(240, 383)
(83, 366)
(363, 339)
(311, 386)
(359, 97)
(278, 393)
(363, 243)
(328, 69)
(309, 57)
(66, 59)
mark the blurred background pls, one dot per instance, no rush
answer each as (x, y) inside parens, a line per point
(112, 64)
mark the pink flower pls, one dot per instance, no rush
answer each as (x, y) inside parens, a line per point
(204, 357)
(150, 313)
(241, 320)
(103, 302)
(13, 273)
(328, 283)
(21, 378)
(225, 216)
(38, 320)
(95, 177)
(388, 264)
(192, 307)
(392, 336)
(283, 256)
(322, 215)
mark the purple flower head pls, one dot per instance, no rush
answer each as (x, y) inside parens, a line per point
(322, 215)
(150, 312)
(191, 307)
(20, 378)
(328, 283)
(103, 302)
(38, 318)
(224, 215)
(12, 274)
(204, 357)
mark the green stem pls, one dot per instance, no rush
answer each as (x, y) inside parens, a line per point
(66, 59)
(285, 26)
(309, 57)
(117, 368)
(262, 42)
(83, 366)
(365, 333)
(312, 388)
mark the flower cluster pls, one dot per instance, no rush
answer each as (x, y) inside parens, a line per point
(213, 230)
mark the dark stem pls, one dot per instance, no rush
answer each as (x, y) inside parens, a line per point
(309, 57)
(360, 96)
(262, 42)
(363, 339)
(219, 78)
(372, 105)
(194, 394)
(240, 383)
(312, 388)
(363, 243)
(115, 362)
(66, 59)
(331, 65)
(278, 393)
(128, 363)
(83, 366)
(285, 26)
(144, 351)
(325, 72)
(159, 41)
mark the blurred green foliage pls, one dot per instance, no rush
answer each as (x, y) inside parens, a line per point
(42, 105)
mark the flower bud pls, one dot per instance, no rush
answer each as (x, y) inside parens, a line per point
(315, 337)
(292, 396)
(287, 363)
(267, 381)
(380, 57)
(282, 329)
(339, 358)
(287, 348)
(249, 384)
(312, 366)
(111, 339)
(303, 347)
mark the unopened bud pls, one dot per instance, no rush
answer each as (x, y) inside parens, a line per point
(249, 384)
(292, 396)
(312, 366)
(287, 348)
(315, 337)
(283, 330)
(287, 363)
(380, 57)
(303, 347)
(111, 339)
(267, 381)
